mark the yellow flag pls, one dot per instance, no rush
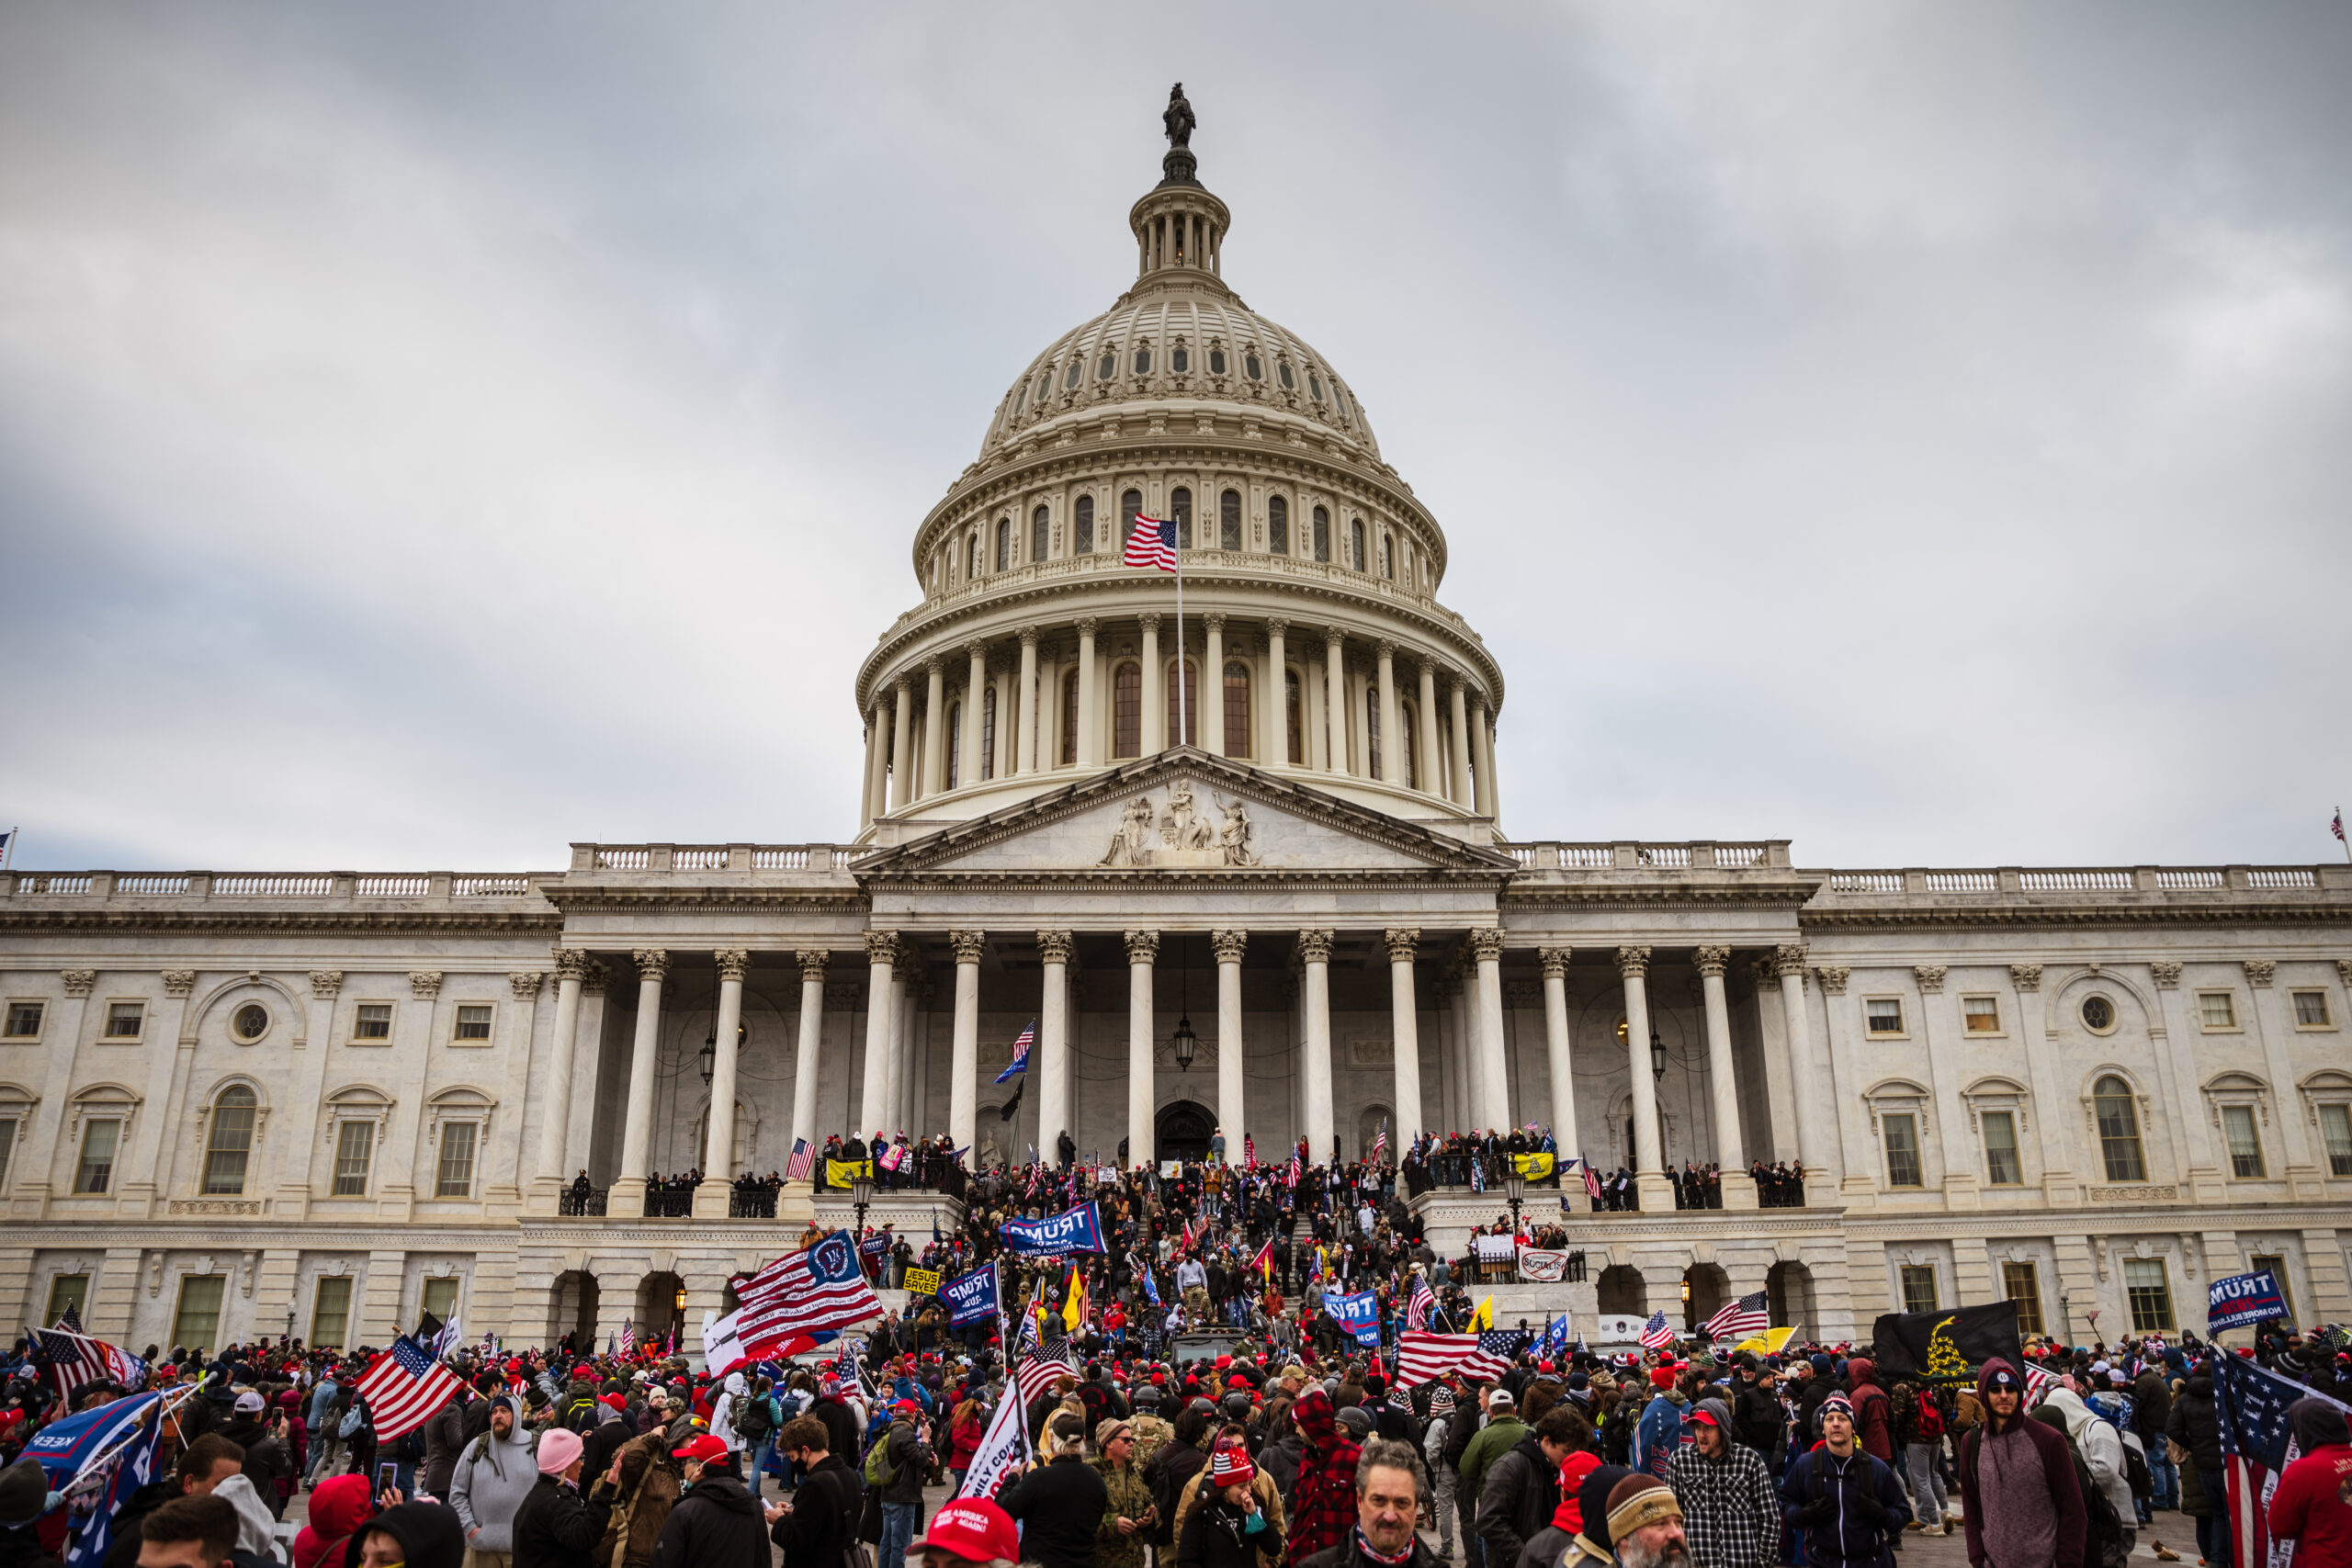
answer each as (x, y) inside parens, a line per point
(840, 1172)
(1534, 1167)
(1074, 1309)
(1766, 1343)
(1484, 1317)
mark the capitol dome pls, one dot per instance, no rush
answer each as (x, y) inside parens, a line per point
(1311, 641)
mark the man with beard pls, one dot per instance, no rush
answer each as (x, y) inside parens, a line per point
(1645, 1524)
(1387, 1503)
(1730, 1512)
(2022, 1503)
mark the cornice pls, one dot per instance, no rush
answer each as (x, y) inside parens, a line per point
(2116, 913)
(238, 922)
(1737, 890)
(607, 898)
(2135, 1219)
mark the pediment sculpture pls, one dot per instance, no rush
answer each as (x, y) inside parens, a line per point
(1179, 834)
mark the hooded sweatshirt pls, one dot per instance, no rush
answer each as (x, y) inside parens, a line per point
(2016, 1487)
(1872, 1409)
(492, 1478)
(429, 1535)
(2310, 1505)
(2101, 1448)
(338, 1507)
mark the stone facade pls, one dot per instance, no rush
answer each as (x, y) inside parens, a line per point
(231, 1102)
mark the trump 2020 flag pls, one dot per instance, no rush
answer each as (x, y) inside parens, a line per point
(1358, 1314)
(2244, 1301)
(2257, 1443)
(970, 1298)
(1075, 1230)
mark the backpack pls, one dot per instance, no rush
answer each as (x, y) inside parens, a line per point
(752, 1418)
(880, 1471)
(1930, 1418)
(2135, 1471)
(2102, 1526)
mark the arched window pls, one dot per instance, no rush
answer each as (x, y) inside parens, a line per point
(1143, 359)
(1130, 508)
(1070, 720)
(975, 572)
(1293, 722)
(1126, 711)
(1070, 376)
(1236, 708)
(1372, 728)
(1409, 775)
(229, 1143)
(1387, 560)
(1107, 366)
(2118, 1130)
(954, 741)
(1190, 697)
(1004, 544)
(1278, 526)
(1038, 535)
(1180, 508)
(1229, 521)
(1355, 543)
(988, 731)
(1082, 526)
(1322, 535)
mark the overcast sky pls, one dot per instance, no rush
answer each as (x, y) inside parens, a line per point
(433, 434)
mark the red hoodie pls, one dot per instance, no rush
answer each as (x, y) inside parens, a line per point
(338, 1507)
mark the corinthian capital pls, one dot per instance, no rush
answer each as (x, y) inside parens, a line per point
(179, 982)
(2026, 976)
(734, 964)
(424, 984)
(652, 963)
(2260, 972)
(1833, 978)
(882, 948)
(326, 983)
(969, 946)
(812, 962)
(79, 981)
(1930, 977)
(1055, 947)
(1632, 961)
(1554, 961)
(1314, 946)
(1229, 944)
(1711, 960)
(1404, 944)
(1142, 946)
(526, 984)
(2167, 975)
(1487, 944)
(1789, 959)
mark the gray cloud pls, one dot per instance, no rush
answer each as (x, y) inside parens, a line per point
(431, 434)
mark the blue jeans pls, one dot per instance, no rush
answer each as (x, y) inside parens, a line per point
(2163, 1477)
(899, 1522)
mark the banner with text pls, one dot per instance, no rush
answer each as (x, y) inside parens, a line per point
(1539, 1265)
(2243, 1301)
(970, 1298)
(1358, 1314)
(1005, 1444)
(922, 1282)
(1079, 1230)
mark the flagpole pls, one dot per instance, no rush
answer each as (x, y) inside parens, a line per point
(1183, 724)
(1179, 611)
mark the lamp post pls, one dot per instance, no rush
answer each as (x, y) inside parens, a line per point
(289, 1322)
(2067, 1317)
(1515, 1189)
(861, 1194)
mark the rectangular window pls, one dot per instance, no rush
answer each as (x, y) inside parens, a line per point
(124, 1020)
(2335, 1127)
(24, 1020)
(2021, 1282)
(1294, 728)
(2310, 1009)
(1070, 720)
(473, 1022)
(2149, 1295)
(1885, 1014)
(2002, 1166)
(441, 1298)
(1981, 1015)
(2216, 1010)
(354, 1146)
(457, 1173)
(374, 1022)
(69, 1293)
(2246, 1144)
(2278, 1267)
(331, 1311)
(95, 1171)
(1919, 1287)
(7, 1150)
(1126, 711)
(1902, 1150)
(196, 1324)
(227, 1148)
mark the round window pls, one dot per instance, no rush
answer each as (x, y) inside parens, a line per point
(1217, 362)
(252, 1022)
(2099, 1014)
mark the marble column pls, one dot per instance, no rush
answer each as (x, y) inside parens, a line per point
(1155, 690)
(718, 1164)
(1315, 953)
(873, 792)
(975, 681)
(906, 998)
(1142, 948)
(1558, 1050)
(903, 772)
(1458, 715)
(1090, 742)
(1335, 697)
(1026, 737)
(935, 727)
(881, 960)
(1649, 1160)
(1482, 742)
(1486, 945)
(555, 1113)
(1053, 1043)
(1229, 946)
(963, 1086)
(1430, 759)
(1210, 722)
(805, 1058)
(1738, 1187)
(1275, 726)
(1813, 1143)
(1405, 1033)
(645, 1060)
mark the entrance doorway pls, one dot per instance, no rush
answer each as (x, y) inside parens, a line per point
(1182, 1131)
(1621, 1289)
(658, 1312)
(572, 1308)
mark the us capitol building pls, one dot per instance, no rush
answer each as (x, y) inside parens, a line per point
(234, 1102)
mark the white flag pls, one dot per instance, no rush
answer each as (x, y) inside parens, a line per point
(722, 1345)
(1005, 1445)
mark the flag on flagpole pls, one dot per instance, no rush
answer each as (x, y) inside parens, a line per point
(802, 1160)
(1039, 1369)
(404, 1387)
(2337, 826)
(1151, 542)
(1264, 1264)
(628, 1337)
(1005, 1444)
(1421, 1304)
(74, 1359)
(2257, 1443)
(1742, 1315)
(1379, 1142)
(1656, 1335)
(1422, 1357)
(813, 1291)
(1021, 1044)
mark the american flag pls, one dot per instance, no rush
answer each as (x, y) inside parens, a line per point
(849, 1369)
(2257, 1444)
(1422, 1357)
(1380, 1141)
(805, 1292)
(628, 1337)
(404, 1387)
(1422, 1302)
(76, 1359)
(1504, 1342)
(1739, 1319)
(1296, 1158)
(2337, 826)
(1151, 542)
(2038, 1384)
(1591, 1183)
(1655, 1333)
(802, 1160)
(1021, 1044)
(1036, 1373)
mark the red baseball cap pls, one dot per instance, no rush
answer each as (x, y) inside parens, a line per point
(704, 1448)
(1706, 1416)
(972, 1529)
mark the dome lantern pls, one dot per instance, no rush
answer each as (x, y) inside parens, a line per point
(1178, 226)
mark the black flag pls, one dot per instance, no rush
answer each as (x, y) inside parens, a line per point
(1012, 1107)
(1945, 1347)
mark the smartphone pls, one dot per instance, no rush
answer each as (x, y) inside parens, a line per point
(385, 1474)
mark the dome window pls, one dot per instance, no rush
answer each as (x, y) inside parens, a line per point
(1283, 372)
(1278, 525)
(1107, 367)
(1082, 526)
(1322, 535)
(1070, 376)
(1045, 386)
(1315, 385)
(1355, 543)
(1143, 361)
(1022, 401)
(1229, 521)
(1252, 368)
(1040, 534)
(1180, 360)
(1217, 362)
(1180, 508)
(1004, 544)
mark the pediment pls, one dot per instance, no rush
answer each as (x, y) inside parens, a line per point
(1184, 813)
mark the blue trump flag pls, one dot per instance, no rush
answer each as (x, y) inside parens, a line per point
(2243, 1301)
(98, 1459)
(1358, 1314)
(1076, 1230)
(971, 1297)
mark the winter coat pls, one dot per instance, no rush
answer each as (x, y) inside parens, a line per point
(1346, 1555)
(1872, 1409)
(717, 1524)
(489, 1481)
(557, 1527)
(338, 1507)
(1659, 1431)
(1061, 1503)
(640, 1505)
(1323, 1509)
(1218, 1534)
(1520, 1493)
(1842, 1532)
(1270, 1502)
(841, 1429)
(1757, 1419)
(445, 1439)
(1129, 1498)
(826, 1507)
(1496, 1438)
(909, 1461)
(2101, 1448)
(2194, 1424)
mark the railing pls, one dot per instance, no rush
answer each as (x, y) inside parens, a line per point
(52, 882)
(670, 1205)
(2075, 881)
(1633, 854)
(2184, 881)
(664, 858)
(394, 886)
(2288, 877)
(579, 1203)
(622, 859)
(269, 886)
(1865, 882)
(759, 1205)
(698, 860)
(1963, 882)
(489, 886)
(2094, 879)
(779, 860)
(142, 882)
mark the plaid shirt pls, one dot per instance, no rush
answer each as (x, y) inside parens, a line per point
(1323, 1507)
(1731, 1515)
